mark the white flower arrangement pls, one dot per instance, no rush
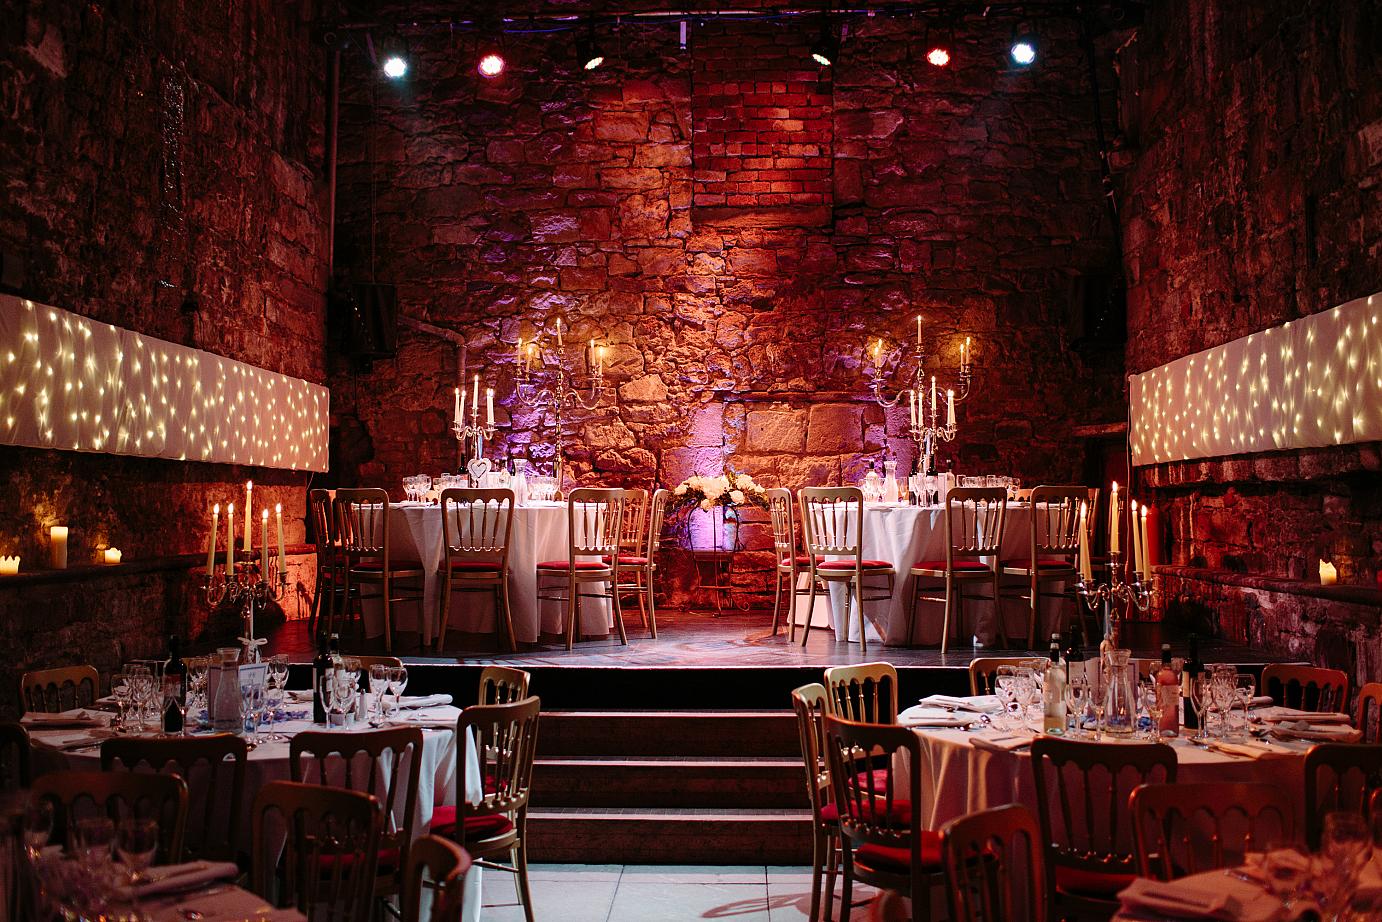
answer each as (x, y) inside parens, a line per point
(706, 492)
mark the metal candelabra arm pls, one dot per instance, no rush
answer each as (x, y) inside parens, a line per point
(249, 587)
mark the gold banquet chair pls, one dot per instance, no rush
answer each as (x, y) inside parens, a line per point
(833, 519)
(330, 560)
(1053, 541)
(637, 561)
(973, 526)
(476, 528)
(363, 515)
(594, 522)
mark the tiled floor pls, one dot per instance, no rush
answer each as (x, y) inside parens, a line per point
(654, 893)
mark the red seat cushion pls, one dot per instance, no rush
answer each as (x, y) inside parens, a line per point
(565, 565)
(849, 565)
(804, 560)
(899, 860)
(487, 826)
(968, 566)
(876, 780)
(388, 862)
(1097, 884)
(1043, 563)
(899, 811)
(474, 566)
(628, 560)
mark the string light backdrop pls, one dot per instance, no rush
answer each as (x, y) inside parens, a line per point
(1305, 384)
(70, 382)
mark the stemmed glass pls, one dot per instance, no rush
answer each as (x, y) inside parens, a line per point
(1077, 702)
(398, 681)
(1201, 693)
(328, 691)
(37, 823)
(1346, 843)
(378, 686)
(136, 841)
(122, 690)
(1024, 684)
(1155, 709)
(1244, 689)
(252, 706)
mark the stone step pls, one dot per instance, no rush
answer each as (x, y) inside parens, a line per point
(732, 734)
(593, 835)
(672, 781)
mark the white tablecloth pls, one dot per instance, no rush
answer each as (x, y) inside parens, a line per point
(959, 778)
(269, 762)
(539, 534)
(902, 535)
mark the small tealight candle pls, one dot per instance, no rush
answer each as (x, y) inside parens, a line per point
(1328, 574)
(9, 566)
(57, 549)
(112, 556)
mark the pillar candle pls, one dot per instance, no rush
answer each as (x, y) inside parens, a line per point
(599, 360)
(950, 409)
(1113, 519)
(1151, 550)
(1146, 552)
(249, 516)
(1135, 562)
(112, 556)
(1328, 574)
(230, 540)
(559, 342)
(458, 407)
(489, 405)
(933, 398)
(918, 331)
(912, 401)
(282, 558)
(475, 398)
(1086, 570)
(590, 356)
(264, 544)
(57, 549)
(518, 350)
(211, 543)
(9, 566)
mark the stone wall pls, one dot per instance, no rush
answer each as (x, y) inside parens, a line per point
(970, 195)
(1249, 196)
(162, 172)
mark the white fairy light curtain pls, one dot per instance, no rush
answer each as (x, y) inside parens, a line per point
(1305, 384)
(73, 383)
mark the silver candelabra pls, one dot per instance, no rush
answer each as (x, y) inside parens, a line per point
(562, 391)
(1115, 595)
(249, 587)
(476, 435)
(926, 427)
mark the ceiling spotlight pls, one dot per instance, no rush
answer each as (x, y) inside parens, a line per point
(590, 54)
(938, 44)
(826, 48)
(1024, 46)
(491, 64)
(938, 56)
(392, 57)
(395, 67)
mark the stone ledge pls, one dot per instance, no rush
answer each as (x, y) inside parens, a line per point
(1349, 595)
(749, 216)
(88, 572)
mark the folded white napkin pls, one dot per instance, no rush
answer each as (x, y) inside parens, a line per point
(299, 695)
(1252, 750)
(1261, 701)
(178, 878)
(67, 741)
(934, 717)
(424, 701)
(1212, 895)
(78, 717)
(983, 704)
(1001, 743)
(1331, 733)
(1277, 715)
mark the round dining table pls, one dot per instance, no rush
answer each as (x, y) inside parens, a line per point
(540, 533)
(902, 534)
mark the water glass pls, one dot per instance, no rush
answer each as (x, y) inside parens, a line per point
(136, 841)
(398, 682)
(37, 822)
(91, 839)
(1077, 703)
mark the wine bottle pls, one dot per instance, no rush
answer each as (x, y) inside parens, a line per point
(1168, 694)
(1189, 675)
(321, 665)
(1053, 692)
(174, 687)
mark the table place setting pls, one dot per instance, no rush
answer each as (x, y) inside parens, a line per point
(979, 704)
(919, 716)
(1214, 895)
(177, 878)
(77, 718)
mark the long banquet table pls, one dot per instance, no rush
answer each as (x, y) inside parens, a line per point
(539, 533)
(902, 535)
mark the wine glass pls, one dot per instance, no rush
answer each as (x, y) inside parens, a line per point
(1200, 693)
(37, 822)
(1346, 843)
(1152, 703)
(1244, 689)
(136, 841)
(92, 838)
(1077, 702)
(329, 695)
(398, 681)
(122, 691)
(378, 686)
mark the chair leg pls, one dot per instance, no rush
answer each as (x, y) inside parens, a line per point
(999, 620)
(817, 867)
(445, 612)
(521, 870)
(642, 602)
(388, 613)
(810, 609)
(945, 622)
(912, 610)
(848, 891)
(572, 611)
(863, 623)
(777, 598)
(652, 605)
(1034, 597)
(618, 613)
(832, 864)
(506, 612)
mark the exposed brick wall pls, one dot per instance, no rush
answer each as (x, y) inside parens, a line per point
(971, 195)
(151, 151)
(760, 136)
(1249, 197)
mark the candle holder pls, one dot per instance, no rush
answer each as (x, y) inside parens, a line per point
(1115, 596)
(250, 588)
(926, 428)
(562, 391)
(473, 435)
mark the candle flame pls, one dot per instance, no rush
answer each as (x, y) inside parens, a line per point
(216, 509)
(265, 515)
(278, 508)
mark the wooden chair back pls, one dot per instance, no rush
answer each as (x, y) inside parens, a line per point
(1338, 776)
(866, 692)
(1183, 829)
(212, 767)
(1309, 688)
(438, 866)
(657, 512)
(1055, 525)
(874, 807)
(1082, 791)
(118, 794)
(1092, 513)
(16, 756)
(477, 525)
(632, 538)
(995, 867)
(384, 763)
(974, 522)
(831, 518)
(324, 528)
(362, 514)
(51, 691)
(503, 685)
(983, 670)
(1368, 716)
(811, 704)
(370, 659)
(595, 522)
(319, 845)
(505, 739)
(784, 529)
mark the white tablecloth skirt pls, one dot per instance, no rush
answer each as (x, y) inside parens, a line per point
(539, 534)
(903, 535)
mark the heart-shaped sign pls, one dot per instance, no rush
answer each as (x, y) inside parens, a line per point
(478, 468)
